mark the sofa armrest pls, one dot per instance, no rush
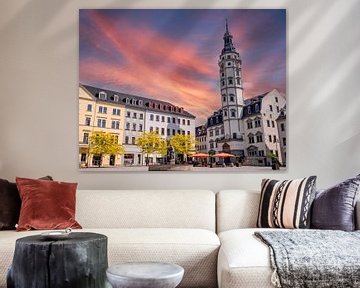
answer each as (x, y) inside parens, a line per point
(357, 215)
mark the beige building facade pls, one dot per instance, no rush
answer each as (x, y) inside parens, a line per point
(99, 115)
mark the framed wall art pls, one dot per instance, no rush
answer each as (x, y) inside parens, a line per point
(182, 90)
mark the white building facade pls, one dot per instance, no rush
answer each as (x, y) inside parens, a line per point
(201, 139)
(134, 127)
(245, 128)
(261, 133)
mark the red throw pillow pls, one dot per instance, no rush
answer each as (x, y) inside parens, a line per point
(46, 204)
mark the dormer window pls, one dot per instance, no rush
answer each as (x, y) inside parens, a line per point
(127, 100)
(140, 102)
(116, 98)
(249, 110)
(257, 108)
(102, 95)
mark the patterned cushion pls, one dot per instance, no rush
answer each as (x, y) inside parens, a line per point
(286, 204)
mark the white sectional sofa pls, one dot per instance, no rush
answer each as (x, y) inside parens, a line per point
(177, 226)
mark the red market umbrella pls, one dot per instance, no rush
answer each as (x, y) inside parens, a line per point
(200, 155)
(223, 155)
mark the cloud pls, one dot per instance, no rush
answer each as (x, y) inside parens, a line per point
(134, 57)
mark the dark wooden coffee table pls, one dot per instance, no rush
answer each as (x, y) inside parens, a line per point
(78, 261)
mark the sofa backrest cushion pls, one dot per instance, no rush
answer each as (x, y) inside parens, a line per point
(236, 209)
(146, 209)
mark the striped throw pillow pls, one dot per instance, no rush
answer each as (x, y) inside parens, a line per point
(286, 204)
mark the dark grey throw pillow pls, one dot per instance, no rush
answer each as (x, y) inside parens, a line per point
(10, 204)
(334, 208)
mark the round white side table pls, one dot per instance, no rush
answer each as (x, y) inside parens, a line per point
(145, 275)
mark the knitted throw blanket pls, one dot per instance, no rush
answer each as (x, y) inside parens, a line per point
(313, 258)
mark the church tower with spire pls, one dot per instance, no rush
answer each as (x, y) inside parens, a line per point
(231, 89)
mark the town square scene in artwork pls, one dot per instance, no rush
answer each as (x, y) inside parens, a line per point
(182, 90)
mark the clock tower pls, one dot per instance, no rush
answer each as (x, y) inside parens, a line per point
(231, 89)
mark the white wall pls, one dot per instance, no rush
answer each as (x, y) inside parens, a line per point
(39, 86)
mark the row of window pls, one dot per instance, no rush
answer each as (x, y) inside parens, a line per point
(103, 110)
(133, 140)
(217, 132)
(232, 113)
(257, 123)
(272, 138)
(230, 81)
(116, 111)
(166, 107)
(277, 107)
(230, 57)
(168, 131)
(231, 98)
(134, 126)
(272, 123)
(85, 139)
(169, 119)
(139, 102)
(201, 139)
(200, 147)
(259, 138)
(237, 72)
(134, 115)
(257, 153)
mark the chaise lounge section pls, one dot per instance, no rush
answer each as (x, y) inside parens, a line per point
(244, 260)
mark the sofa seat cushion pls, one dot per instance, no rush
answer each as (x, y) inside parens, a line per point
(244, 261)
(194, 249)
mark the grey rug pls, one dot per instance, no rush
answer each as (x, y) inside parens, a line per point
(313, 258)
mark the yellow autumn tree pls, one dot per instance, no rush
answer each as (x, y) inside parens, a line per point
(151, 142)
(183, 144)
(102, 143)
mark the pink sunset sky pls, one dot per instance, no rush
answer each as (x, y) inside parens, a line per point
(172, 55)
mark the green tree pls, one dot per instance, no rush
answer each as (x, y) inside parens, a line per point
(102, 143)
(151, 142)
(183, 144)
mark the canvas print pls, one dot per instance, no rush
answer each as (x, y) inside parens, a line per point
(182, 90)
